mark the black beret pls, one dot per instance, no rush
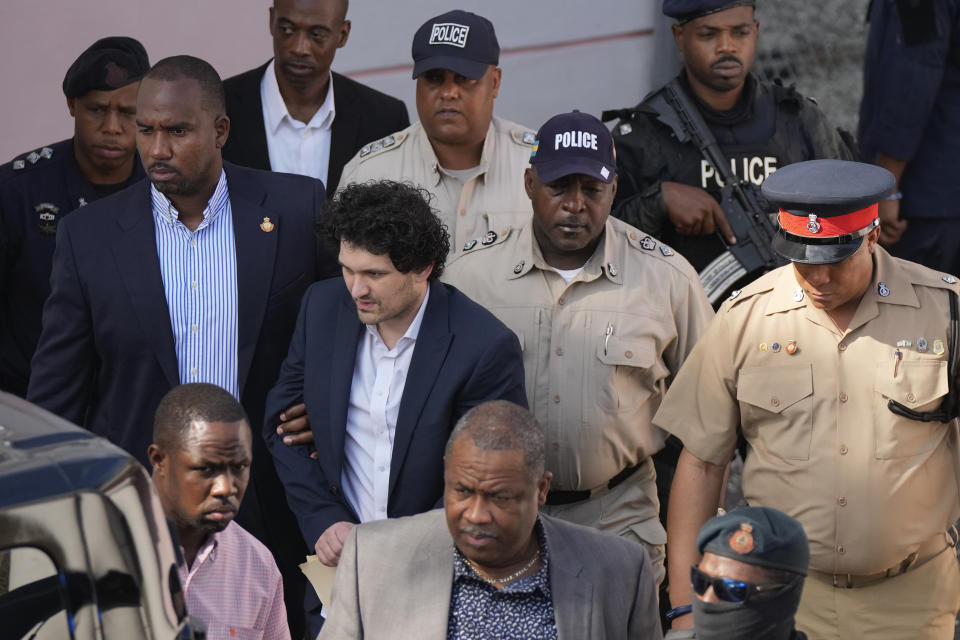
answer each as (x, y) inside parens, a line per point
(760, 536)
(687, 10)
(109, 63)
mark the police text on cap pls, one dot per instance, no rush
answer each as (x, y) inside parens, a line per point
(583, 139)
(449, 33)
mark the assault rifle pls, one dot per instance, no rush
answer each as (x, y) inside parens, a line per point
(753, 250)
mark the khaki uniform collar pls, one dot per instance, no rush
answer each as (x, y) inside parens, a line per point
(426, 151)
(889, 285)
(607, 259)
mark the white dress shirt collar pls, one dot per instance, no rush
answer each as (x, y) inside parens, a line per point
(275, 109)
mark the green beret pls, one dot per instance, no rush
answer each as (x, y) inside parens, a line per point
(760, 536)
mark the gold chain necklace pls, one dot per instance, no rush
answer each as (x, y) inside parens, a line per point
(510, 578)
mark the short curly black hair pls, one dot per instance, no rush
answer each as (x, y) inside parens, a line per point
(389, 218)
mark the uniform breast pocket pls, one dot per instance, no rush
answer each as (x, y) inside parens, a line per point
(919, 385)
(776, 408)
(623, 376)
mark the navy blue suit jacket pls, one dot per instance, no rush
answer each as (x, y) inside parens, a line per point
(106, 354)
(463, 356)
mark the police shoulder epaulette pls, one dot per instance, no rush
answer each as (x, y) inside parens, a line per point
(648, 244)
(925, 277)
(489, 239)
(387, 143)
(32, 159)
(765, 283)
(523, 136)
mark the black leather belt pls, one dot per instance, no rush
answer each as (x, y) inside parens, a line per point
(555, 498)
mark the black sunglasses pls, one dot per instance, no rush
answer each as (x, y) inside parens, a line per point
(726, 589)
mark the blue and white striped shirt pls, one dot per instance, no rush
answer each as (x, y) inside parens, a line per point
(199, 270)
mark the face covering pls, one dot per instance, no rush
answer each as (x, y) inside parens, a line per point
(761, 617)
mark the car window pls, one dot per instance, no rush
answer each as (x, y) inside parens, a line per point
(34, 596)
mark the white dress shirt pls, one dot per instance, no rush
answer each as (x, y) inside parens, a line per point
(379, 377)
(294, 146)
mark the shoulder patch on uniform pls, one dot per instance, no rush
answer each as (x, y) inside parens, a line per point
(489, 239)
(523, 137)
(387, 143)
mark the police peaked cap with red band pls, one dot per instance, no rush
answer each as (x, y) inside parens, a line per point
(687, 10)
(826, 207)
(459, 41)
(574, 143)
(760, 536)
(108, 64)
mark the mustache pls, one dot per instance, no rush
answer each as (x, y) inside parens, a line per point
(223, 505)
(727, 58)
(297, 60)
(162, 166)
(477, 532)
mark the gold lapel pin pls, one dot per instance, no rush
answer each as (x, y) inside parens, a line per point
(266, 226)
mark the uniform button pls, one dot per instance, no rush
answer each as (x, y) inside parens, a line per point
(193, 372)
(911, 397)
(840, 548)
(381, 468)
(562, 301)
(193, 285)
(193, 242)
(842, 501)
(335, 490)
(463, 212)
(559, 351)
(556, 399)
(843, 449)
(628, 354)
(842, 346)
(193, 328)
(556, 445)
(775, 401)
(843, 397)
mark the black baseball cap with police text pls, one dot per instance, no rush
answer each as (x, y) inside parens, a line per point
(574, 143)
(460, 41)
(826, 207)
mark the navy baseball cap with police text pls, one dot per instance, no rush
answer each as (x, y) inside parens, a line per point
(460, 41)
(572, 143)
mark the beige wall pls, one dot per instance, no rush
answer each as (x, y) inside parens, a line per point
(557, 54)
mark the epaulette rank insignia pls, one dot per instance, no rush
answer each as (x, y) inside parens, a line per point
(381, 144)
(33, 157)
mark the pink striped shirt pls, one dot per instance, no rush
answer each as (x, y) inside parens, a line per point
(234, 587)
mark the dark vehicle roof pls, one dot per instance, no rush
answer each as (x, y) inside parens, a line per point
(42, 455)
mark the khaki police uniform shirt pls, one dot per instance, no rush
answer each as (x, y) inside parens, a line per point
(494, 198)
(868, 486)
(595, 394)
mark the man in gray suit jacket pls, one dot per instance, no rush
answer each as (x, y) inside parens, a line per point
(497, 569)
